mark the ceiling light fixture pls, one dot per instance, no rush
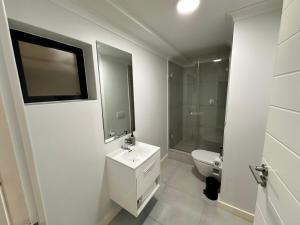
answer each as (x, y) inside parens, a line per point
(187, 6)
(217, 60)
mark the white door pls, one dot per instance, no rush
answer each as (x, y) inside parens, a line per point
(279, 202)
(18, 202)
(4, 219)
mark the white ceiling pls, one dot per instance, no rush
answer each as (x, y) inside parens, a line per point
(157, 24)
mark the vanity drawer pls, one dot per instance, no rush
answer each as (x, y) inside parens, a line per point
(147, 174)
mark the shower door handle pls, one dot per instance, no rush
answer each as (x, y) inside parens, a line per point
(196, 113)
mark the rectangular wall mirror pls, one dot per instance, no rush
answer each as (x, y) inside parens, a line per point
(115, 68)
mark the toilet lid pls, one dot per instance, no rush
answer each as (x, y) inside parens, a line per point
(205, 156)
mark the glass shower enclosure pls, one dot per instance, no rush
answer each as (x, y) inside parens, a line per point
(197, 105)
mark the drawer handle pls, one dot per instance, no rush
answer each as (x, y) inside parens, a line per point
(146, 171)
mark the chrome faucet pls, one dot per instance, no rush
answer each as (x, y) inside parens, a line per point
(125, 146)
(128, 142)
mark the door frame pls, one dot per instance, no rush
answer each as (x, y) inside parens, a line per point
(15, 113)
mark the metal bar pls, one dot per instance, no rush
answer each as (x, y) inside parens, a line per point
(196, 113)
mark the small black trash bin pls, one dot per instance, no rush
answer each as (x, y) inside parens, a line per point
(212, 188)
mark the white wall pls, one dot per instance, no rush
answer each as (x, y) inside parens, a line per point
(67, 138)
(253, 52)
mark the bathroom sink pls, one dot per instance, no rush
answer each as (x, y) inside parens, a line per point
(133, 176)
(136, 156)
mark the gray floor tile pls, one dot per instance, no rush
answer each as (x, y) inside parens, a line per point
(125, 218)
(167, 214)
(168, 168)
(213, 215)
(160, 190)
(178, 208)
(182, 200)
(185, 180)
(150, 221)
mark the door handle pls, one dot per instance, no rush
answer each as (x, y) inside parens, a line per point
(263, 169)
(261, 178)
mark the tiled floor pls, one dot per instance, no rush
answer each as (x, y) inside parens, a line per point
(179, 202)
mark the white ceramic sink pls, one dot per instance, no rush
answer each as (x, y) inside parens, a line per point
(133, 176)
(134, 158)
(135, 155)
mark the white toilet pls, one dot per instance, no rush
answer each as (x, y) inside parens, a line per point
(205, 161)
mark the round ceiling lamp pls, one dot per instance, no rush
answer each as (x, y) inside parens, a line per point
(187, 6)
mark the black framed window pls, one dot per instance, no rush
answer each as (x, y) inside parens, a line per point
(48, 70)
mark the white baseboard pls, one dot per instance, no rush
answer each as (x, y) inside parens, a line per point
(110, 216)
(236, 211)
(164, 158)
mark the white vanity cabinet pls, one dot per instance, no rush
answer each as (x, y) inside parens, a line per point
(133, 177)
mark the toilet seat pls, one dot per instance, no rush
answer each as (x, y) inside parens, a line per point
(204, 156)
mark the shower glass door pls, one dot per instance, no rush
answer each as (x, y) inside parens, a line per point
(197, 106)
